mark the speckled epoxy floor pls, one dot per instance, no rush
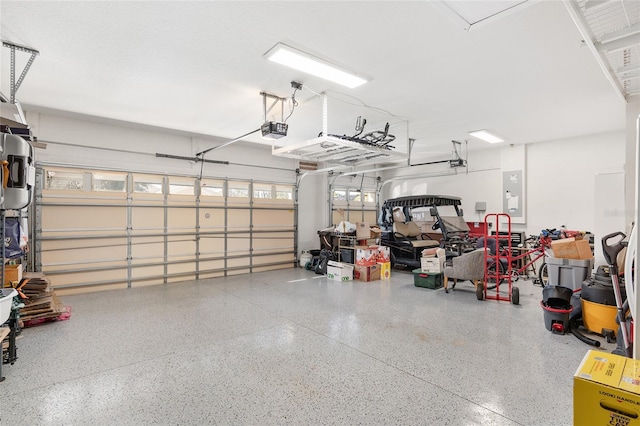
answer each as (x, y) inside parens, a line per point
(290, 347)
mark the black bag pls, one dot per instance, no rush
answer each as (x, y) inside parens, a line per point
(12, 238)
(325, 256)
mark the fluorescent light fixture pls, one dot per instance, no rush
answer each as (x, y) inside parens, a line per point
(301, 61)
(486, 136)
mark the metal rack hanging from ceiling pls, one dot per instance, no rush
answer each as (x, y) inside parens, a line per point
(347, 152)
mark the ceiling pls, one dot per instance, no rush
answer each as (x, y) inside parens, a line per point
(199, 67)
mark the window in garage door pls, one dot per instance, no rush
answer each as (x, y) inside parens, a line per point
(354, 205)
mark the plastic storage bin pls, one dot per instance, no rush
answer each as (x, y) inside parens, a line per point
(568, 272)
(427, 280)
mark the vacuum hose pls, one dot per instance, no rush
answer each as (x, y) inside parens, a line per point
(576, 322)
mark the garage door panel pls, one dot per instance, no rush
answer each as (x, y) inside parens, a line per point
(85, 255)
(70, 291)
(181, 218)
(265, 219)
(181, 248)
(243, 271)
(82, 244)
(211, 219)
(61, 277)
(238, 219)
(264, 260)
(211, 245)
(211, 275)
(273, 241)
(89, 218)
(147, 271)
(147, 248)
(86, 241)
(371, 217)
(147, 218)
(211, 265)
(243, 261)
(182, 268)
(238, 244)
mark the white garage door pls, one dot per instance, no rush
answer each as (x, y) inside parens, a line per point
(108, 229)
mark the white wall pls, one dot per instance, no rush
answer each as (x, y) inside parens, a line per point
(562, 178)
(313, 210)
(481, 181)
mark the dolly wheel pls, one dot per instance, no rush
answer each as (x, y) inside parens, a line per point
(515, 295)
(480, 290)
(308, 266)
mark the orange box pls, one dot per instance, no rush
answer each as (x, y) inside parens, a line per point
(366, 256)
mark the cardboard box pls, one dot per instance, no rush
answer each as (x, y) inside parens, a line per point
(432, 263)
(12, 273)
(365, 232)
(366, 256)
(433, 252)
(383, 255)
(385, 270)
(606, 390)
(338, 271)
(569, 248)
(366, 272)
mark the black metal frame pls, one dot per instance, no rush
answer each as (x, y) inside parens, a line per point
(402, 252)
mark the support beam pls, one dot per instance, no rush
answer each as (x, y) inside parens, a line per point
(592, 5)
(619, 43)
(628, 69)
(622, 33)
(15, 85)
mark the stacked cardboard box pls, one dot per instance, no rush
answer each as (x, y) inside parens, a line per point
(40, 301)
(372, 263)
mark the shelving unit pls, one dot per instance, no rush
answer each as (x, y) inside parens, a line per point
(347, 242)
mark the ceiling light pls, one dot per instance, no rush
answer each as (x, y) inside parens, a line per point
(486, 136)
(301, 61)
